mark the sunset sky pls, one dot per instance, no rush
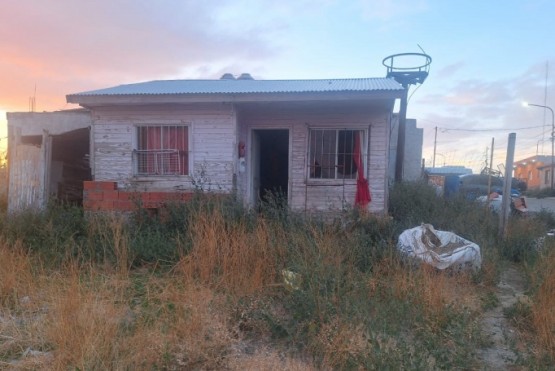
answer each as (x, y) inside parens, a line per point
(488, 56)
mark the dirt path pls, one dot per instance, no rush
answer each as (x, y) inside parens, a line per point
(500, 355)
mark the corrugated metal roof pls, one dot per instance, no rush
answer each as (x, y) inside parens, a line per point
(444, 170)
(166, 87)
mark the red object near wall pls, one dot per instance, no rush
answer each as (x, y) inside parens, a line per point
(362, 197)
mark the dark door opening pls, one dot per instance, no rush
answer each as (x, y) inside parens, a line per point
(273, 164)
(69, 166)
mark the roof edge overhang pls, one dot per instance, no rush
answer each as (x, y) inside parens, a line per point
(140, 99)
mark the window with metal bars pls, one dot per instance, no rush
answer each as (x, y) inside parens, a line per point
(162, 150)
(332, 153)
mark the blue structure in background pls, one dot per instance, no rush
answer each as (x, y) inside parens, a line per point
(451, 185)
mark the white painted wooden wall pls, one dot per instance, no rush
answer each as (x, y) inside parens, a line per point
(215, 131)
(212, 143)
(323, 195)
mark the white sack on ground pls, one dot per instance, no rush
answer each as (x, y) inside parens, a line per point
(439, 248)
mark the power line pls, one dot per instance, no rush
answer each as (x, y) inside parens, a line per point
(478, 130)
(498, 129)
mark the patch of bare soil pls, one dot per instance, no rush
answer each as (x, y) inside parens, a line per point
(500, 355)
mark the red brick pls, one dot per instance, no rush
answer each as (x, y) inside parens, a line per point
(93, 195)
(89, 184)
(175, 196)
(158, 196)
(100, 185)
(111, 195)
(123, 205)
(105, 205)
(107, 186)
(125, 196)
(142, 196)
(94, 205)
(148, 204)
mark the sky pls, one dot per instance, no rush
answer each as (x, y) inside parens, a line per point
(488, 56)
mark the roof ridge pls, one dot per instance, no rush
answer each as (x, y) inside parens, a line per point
(217, 86)
(278, 80)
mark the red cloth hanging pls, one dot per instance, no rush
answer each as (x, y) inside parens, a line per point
(152, 136)
(362, 197)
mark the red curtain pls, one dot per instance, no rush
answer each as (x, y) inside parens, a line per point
(152, 136)
(362, 197)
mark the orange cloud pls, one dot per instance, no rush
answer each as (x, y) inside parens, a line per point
(64, 46)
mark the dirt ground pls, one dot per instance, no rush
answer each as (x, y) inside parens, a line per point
(501, 355)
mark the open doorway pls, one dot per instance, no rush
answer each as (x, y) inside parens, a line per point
(69, 166)
(270, 164)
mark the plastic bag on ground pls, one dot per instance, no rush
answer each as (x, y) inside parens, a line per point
(439, 248)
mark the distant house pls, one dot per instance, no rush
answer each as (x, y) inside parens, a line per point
(535, 171)
(312, 141)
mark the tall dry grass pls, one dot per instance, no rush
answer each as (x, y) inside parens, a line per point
(20, 310)
(173, 326)
(15, 273)
(96, 312)
(430, 290)
(103, 315)
(82, 323)
(543, 303)
(230, 255)
(111, 238)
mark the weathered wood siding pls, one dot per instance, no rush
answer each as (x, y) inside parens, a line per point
(323, 195)
(212, 145)
(25, 189)
(216, 129)
(30, 164)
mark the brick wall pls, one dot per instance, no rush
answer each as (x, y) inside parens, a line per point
(105, 196)
(530, 173)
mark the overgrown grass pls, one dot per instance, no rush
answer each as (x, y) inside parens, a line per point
(534, 315)
(201, 286)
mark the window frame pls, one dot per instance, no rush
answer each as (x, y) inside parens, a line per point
(338, 177)
(170, 124)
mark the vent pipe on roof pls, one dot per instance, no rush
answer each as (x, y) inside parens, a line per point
(245, 76)
(227, 76)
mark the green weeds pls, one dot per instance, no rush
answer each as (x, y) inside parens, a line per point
(196, 285)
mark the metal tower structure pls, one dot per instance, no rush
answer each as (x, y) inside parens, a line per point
(407, 69)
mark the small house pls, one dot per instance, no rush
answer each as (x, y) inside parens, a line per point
(535, 171)
(322, 145)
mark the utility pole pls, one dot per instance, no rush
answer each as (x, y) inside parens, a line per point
(400, 159)
(490, 167)
(505, 206)
(435, 145)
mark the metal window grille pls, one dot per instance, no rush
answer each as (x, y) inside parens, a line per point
(331, 153)
(161, 150)
(157, 162)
